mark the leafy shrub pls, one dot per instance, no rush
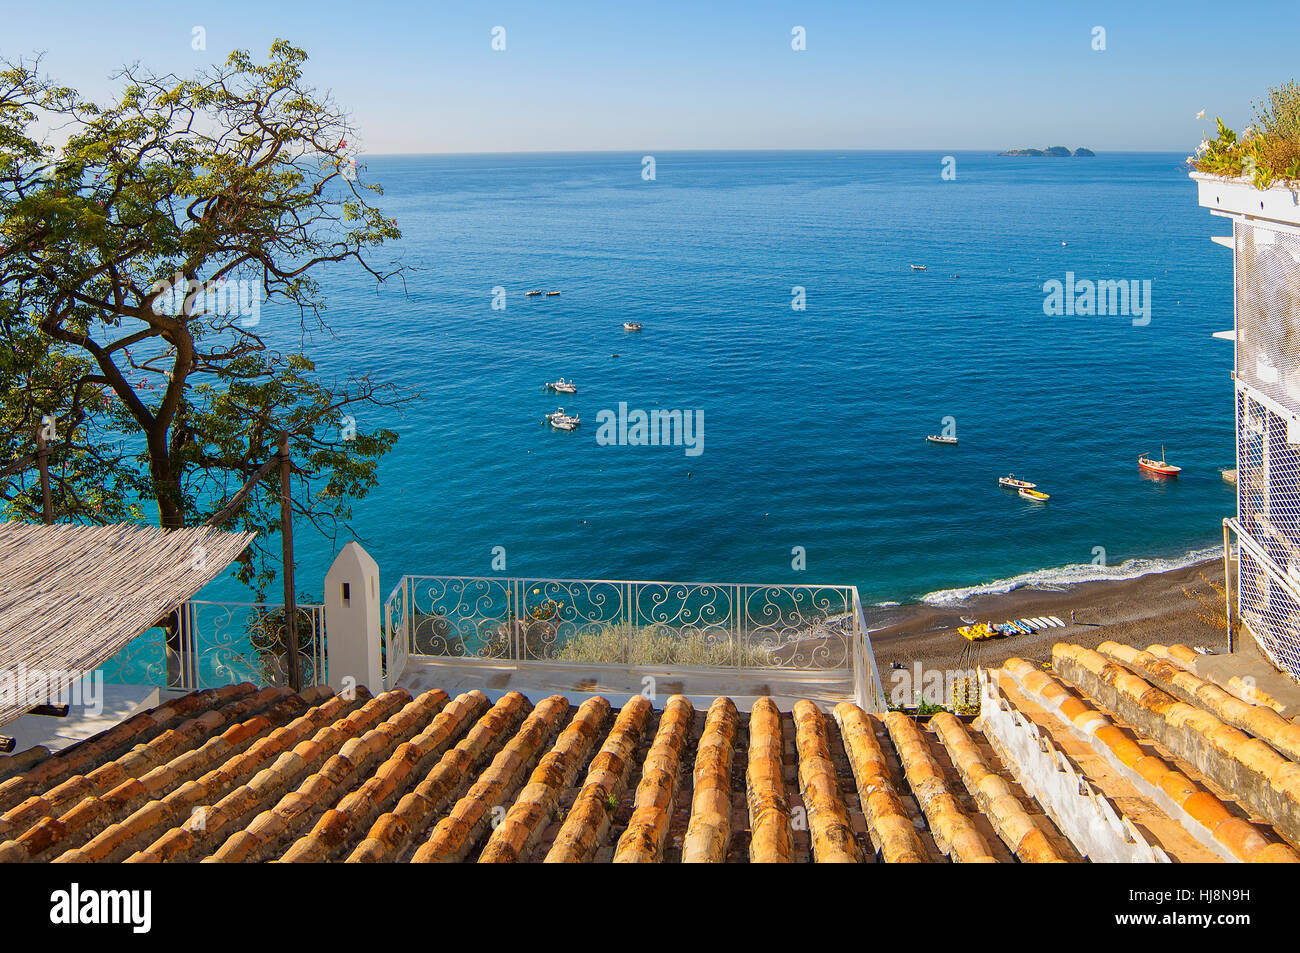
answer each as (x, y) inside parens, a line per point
(1267, 152)
(651, 646)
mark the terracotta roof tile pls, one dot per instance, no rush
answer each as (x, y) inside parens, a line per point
(954, 832)
(1197, 809)
(391, 834)
(828, 822)
(244, 775)
(892, 831)
(588, 820)
(646, 835)
(455, 834)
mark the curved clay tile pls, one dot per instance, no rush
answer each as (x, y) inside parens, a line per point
(891, 829)
(769, 808)
(278, 824)
(392, 833)
(1196, 808)
(588, 820)
(334, 832)
(994, 795)
(828, 820)
(954, 832)
(523, 824)
(107, 828)
(457, 833)
(708, 834)
(646, 835)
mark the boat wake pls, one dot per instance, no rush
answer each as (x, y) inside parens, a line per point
(1060, 579)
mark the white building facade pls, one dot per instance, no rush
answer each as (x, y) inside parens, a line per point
(1266, 377)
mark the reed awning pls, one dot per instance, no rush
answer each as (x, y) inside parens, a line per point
(72, 596)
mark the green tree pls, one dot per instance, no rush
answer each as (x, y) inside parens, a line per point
(135, 261)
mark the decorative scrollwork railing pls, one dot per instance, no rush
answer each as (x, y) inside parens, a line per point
(639, 623)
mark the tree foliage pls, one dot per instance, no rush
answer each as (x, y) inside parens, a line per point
(136, 259)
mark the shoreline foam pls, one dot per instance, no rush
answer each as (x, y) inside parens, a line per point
(1062, 578)
(1150, 604)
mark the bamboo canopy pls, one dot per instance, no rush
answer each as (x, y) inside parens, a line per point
(72, 596)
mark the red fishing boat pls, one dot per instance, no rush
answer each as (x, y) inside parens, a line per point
(1159, 466)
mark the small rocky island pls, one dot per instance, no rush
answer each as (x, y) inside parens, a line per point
(1049, 151)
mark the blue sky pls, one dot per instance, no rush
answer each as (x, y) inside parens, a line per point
(423, 77)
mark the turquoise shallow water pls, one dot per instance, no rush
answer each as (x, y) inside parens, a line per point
(814, 420)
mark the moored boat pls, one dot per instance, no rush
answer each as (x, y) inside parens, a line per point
(551, 294)
(562, 386)
(562, 421)
(631, 325)
(940, 438)
(1037, 496)
(532, 294)
(1161, 466)
(918, 267)
(1010, 481)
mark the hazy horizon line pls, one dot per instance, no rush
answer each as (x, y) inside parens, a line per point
(525, 152)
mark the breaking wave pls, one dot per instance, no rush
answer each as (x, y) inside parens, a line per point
(1056, 580)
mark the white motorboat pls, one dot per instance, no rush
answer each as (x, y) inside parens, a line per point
(562, 421)
(562, 386)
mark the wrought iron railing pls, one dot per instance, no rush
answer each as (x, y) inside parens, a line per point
(208, 644)
(618, 623)
(396, 632)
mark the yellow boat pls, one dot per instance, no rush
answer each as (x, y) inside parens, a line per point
(975, 633)
(1036, 495)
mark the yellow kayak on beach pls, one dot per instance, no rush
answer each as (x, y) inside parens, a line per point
(975, 633)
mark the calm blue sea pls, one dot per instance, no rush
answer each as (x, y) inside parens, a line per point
(813, 420)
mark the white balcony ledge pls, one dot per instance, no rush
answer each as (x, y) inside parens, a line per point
(1239, 197)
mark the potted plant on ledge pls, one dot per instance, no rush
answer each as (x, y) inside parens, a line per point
(1258, 172)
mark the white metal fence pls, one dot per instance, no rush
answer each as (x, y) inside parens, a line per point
(208, 644)
(621, 624)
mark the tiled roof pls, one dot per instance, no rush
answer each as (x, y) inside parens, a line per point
(242, 775)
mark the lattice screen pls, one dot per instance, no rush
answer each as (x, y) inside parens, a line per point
(1268, 604)
(1268, 502)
